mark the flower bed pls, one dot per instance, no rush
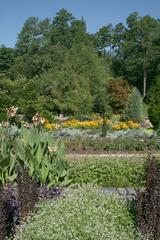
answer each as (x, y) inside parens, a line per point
(92, 124)
(104, 145)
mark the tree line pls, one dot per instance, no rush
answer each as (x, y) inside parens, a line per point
(57, 67)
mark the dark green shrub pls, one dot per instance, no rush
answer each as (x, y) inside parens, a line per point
(47, 115)
(133, 109)
(154, 106)
(3, 116)
(148, 202)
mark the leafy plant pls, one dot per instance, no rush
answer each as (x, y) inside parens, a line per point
(154, 110)
(7, 163)
(38, 151)
(133, 109)
(112, 172)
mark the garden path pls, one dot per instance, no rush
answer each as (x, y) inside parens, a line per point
(105, 155)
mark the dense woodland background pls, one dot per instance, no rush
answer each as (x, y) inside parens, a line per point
(58, 67)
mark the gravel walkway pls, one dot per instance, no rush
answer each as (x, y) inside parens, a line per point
(104, 155)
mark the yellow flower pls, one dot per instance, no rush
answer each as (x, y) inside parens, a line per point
(132, 124)
(82, 124)
(50, 126)
(125, 125)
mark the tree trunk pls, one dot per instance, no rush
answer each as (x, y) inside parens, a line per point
(104, 130)
(110, 54)
(145, 65)
(144, 81)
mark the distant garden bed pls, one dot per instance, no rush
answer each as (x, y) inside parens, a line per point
(118, 145)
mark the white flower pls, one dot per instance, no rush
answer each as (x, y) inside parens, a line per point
(53, 149)
(11, 112)
(5, 124)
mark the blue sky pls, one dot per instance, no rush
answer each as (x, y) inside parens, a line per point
(97, 13)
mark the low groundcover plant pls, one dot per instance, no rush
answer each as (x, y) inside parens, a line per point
(84, 213)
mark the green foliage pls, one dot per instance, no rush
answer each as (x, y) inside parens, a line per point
(35, 150)
(47, 115)
(154, 109)
(6, 95)
(85, 213)
(7, 164)
(58, 67)
(137, 50)
(108, 172)
(104, 38)
(7, 58)
(41, 155)
(133, 109)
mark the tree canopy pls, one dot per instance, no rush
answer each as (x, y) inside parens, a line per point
(58, 67)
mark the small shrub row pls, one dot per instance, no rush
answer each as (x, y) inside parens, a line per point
(108, 172)
(89, 145)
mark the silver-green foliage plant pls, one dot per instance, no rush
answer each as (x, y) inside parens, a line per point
(38, 151)
(85, 213)
(133, 109)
